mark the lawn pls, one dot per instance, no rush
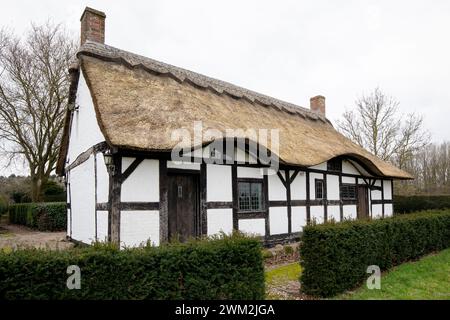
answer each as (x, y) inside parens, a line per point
(426, 279)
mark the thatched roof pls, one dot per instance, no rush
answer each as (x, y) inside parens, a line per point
(140, 101)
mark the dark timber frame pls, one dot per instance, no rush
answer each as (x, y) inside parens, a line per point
(114, 206)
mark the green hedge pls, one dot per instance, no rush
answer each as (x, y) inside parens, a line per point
(50, 216)
(335, 256)
(227, 268)
(408, 204)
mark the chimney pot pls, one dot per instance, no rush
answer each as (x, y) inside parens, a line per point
(317, 104)
(92, 26)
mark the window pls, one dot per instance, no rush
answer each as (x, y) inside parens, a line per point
(319, 189)
(334, 165)
(250, 196)
(348, 192)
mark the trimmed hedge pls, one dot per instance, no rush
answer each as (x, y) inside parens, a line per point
(408, 204)
(335, 256)
(50, 216)
(230, 267)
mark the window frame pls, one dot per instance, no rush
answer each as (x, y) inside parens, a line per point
(251, 181)
(322, 182)
(334, 162)
(354, 185)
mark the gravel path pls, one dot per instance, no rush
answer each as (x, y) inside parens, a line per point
(16, 236)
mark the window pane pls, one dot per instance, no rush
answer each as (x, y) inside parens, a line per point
(256, 196)
(319, 189)
(244, 196)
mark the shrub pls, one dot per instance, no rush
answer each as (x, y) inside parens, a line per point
(335, 256)
(3, 205)
(408, 204)
(42, 216)
(227, 268)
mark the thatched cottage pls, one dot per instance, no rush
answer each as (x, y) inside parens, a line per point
(124, 184)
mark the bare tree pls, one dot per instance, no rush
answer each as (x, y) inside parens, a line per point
(377, 126)
(34, 86)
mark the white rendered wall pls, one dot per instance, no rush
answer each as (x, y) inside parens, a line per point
(347, 167)
(377, 211)
(277, 191)
(82, 192)
(218, 183)
(298, 218)
(349, 180)
(333, 192)
(219, 220)
(102, 180)
(102, 226)
(85, 131)
(312, 185)
(252, 226)
(137, 227)
(143, 184)
(248, 172)
(334, 212)
(183, 165)
(376, 194)
(388, 211)
(317, 214)
(298, 186)
(349, 212)
(387, 190)
(278, 220)
(320, 166)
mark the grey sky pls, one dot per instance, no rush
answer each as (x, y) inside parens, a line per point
(290, 50)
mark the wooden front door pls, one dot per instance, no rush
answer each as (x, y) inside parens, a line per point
(183, 206)
(363, 202)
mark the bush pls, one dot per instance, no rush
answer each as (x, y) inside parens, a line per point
(42, 216)
(335, 257)
(408, 204)
(3, 205)
(227, 268)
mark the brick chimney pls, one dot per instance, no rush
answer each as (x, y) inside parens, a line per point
(92, 26)
(317, 104)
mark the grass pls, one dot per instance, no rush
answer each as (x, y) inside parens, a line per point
(426, 279)
(279, 278)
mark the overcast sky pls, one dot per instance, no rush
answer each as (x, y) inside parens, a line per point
(291, 50)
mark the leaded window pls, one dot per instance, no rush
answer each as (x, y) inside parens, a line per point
(334, 165)
(250, 196)
(319, 189)
(348, 192)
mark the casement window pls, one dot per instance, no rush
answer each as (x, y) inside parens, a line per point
(250, 196)
(348, 192)
(334, 165)
(319, 189)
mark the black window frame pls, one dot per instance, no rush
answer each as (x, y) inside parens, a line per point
(334, 165)
(251, 181)
(352, 185)
(316, 185)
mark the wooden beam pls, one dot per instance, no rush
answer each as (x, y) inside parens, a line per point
(138, 206)
(163, 202)
(283, 181)
(266, 203)
(325, 198)
(128, 171)
(308, 198)
(115, 187)
(86, 155)
(203, 197)
(234, 185)
(219, 205)
(288, 199)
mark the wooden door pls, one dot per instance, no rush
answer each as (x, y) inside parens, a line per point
(183, 206)
(363, 202)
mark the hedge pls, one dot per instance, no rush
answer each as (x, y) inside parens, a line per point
(230, 267)
(335, 256)
(408, 204)
(50, 216)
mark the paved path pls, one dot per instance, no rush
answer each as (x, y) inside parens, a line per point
(16, 236)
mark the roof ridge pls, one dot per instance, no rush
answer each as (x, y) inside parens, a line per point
(114, 54)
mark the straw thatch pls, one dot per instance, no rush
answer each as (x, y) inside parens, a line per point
(139, 103)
